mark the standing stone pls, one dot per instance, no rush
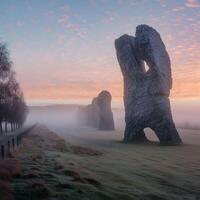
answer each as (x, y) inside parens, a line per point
(98, 114)
(146, 92)
(106, 121)
(95, 113)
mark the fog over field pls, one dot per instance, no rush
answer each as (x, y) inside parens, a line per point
(185, 114)
(63, 120)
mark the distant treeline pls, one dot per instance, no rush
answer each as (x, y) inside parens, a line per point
(13, 109)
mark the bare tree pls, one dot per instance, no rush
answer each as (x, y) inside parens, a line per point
(13, 109)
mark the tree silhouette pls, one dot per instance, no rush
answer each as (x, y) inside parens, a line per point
(13, 109)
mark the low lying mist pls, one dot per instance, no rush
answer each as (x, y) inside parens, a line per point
(186, 114)
(53, 115)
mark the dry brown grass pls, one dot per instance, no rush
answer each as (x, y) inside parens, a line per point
(41, 173)
(6, 192)
(49, 140)
(125, 171)
(85, 151)
(45, 139)
(37, 188)
(77, 177)
(31, 174)
(9, 168)
(61, 146)
(57, 166)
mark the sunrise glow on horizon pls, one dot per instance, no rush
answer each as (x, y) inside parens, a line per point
(63, 50)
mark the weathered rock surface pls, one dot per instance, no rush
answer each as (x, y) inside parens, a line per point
(95, 113)
(98, 114)
(146, 92)
(106, 121)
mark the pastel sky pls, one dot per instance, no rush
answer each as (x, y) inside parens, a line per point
(63, 50)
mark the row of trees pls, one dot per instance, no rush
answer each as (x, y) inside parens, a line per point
(13, 109)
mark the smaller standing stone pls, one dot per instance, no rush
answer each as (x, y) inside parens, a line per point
(106, 121)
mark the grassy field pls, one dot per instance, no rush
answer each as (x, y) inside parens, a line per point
(51, 168)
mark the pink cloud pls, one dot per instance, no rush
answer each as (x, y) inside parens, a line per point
(74, 28)
(109, 17)
(192, 3)
(179, 8)
(65, 8)
(63, 19)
